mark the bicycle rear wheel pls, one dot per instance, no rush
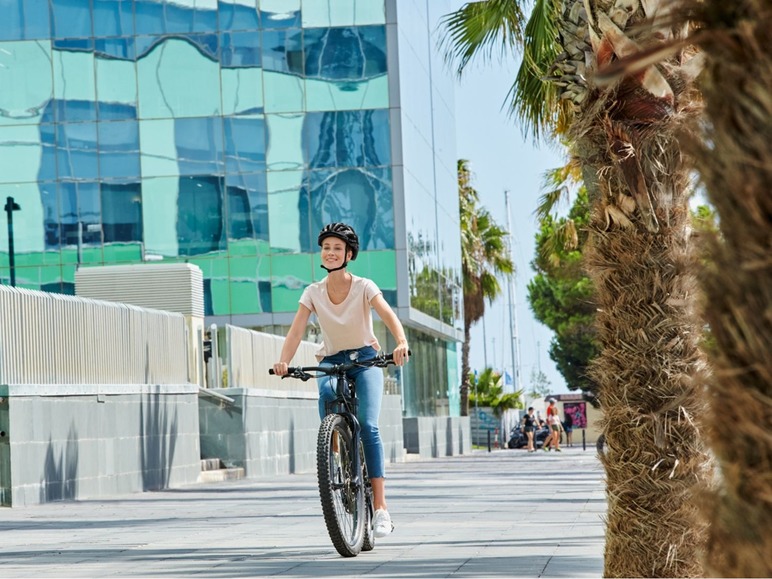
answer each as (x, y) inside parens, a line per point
(343, 501)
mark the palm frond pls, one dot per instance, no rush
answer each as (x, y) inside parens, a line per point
(484, 252)
(490, 286)
(571, 235)
(557, 186)
(536, 102)
(565, 238)
(570, 173)
(549, 201)
(478, 28)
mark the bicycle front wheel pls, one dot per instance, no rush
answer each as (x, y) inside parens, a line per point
(341, 489)
(368, 544)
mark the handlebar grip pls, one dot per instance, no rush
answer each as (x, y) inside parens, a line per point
(391, 356)
(290, 370)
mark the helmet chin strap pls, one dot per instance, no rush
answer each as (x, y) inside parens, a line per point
(335, 268)
(345, 263)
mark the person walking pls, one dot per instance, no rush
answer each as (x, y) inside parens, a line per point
(529, 427)
(568, 428)
(553, 422)
(343, 305)
(548, 438)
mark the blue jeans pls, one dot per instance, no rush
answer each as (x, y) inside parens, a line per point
(369, 394)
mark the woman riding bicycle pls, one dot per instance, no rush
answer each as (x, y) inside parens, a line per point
(342, 303)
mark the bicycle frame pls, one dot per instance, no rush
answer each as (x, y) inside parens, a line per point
(346, 404)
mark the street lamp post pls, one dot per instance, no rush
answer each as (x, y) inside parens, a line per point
(10, 207)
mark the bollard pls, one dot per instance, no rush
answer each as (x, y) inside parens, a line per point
(496, 443)
(489, 440)
(584, 440)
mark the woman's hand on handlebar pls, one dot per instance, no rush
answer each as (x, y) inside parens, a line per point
(280, 368)
(401, 354)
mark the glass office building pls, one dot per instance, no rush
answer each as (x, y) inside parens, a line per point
(225, 134)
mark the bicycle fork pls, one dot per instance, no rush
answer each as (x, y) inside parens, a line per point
(355, 439)
(347, 408)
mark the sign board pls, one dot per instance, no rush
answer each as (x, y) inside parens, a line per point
(578, 413)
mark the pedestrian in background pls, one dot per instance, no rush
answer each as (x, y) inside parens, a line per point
(548, 440)
(568, 428)
(553, 422)
(529, 427)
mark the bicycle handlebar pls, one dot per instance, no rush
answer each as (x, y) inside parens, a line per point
(302, 372)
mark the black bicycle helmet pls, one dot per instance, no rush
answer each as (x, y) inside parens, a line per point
(343, 232)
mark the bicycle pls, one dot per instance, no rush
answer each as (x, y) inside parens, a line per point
(344, 487)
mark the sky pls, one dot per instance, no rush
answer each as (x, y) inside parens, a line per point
(501, 158)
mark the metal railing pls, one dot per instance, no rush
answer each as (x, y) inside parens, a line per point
(250, 354)
(48, 338)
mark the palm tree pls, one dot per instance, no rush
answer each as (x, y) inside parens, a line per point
(624, 136)
(484, 257)
(734, 160)
(489, 391)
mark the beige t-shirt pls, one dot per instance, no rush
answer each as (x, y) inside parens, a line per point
(347, 325)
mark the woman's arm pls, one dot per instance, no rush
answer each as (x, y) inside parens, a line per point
(292, 341)
(395, 327)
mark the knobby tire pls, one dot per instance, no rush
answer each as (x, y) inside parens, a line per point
(343, 503)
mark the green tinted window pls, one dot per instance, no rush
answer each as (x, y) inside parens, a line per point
(343, 12)
(290, 274)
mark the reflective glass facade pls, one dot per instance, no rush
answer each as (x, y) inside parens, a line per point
(225, 134)
(429, 187)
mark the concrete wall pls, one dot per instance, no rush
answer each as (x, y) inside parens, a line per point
(594, 430)
(274, 432)
(392, 428)
(436, 436)
(93, 441)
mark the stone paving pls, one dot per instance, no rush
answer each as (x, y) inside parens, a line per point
(506, 513)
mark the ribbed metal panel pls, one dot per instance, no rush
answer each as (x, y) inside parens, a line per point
(172, 287)
(251, 354)
(55, 339)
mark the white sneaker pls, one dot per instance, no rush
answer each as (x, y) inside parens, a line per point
(382, 525)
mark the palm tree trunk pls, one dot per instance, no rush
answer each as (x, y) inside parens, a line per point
(649, 398)
(465, 370)
(737, 173)
(648, 371)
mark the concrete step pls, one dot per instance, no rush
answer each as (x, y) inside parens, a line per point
(213, 470)
(211, 464)
(221, 474)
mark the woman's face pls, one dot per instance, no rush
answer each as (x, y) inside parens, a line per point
(333, 252)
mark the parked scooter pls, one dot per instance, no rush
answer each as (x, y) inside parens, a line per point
(518, 438)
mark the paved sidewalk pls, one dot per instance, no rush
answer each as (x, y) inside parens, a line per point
(501, 514)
